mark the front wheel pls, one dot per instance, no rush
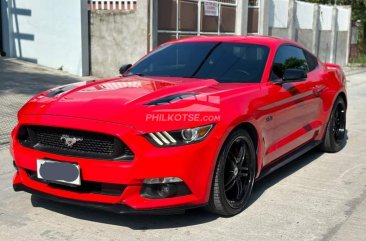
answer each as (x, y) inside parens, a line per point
(234, 175)
(335, 136)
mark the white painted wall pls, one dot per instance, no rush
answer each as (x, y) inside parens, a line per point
(278, 13)
(327, 31)
(53, 33)
(326, 17)
(304, 15)
(343, 20)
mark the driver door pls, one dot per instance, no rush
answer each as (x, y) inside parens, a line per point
(291, 116)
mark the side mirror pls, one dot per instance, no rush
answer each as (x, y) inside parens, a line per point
(294, 75)
(123, 68)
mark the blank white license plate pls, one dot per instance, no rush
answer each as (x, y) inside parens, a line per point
(58, 172)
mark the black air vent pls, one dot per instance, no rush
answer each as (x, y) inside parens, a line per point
(75, 143)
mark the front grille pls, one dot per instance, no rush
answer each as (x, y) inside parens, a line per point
(85, 187)
(75, 143)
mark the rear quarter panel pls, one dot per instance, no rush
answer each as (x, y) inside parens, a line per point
(335, 81)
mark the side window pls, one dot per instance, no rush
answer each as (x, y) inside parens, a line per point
(311, 60)
(288, 57)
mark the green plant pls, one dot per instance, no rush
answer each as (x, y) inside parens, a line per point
(359, 59)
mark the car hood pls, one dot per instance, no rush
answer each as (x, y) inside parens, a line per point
(126, 100)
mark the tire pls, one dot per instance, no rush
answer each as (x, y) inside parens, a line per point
(234, 175)
(335, 135)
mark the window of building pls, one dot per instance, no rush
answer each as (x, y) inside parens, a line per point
(185, 18)
(253, 16)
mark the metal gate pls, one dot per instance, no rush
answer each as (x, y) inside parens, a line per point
(184, 18)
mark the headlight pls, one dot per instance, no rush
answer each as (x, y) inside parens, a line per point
(179, 137)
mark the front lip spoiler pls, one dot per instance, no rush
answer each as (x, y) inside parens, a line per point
(114, 208)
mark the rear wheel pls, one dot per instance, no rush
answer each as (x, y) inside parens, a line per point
(335, 136)
(234, 175)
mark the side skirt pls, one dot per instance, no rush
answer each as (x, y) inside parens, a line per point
(288, 158)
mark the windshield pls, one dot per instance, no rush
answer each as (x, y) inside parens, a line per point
(224, 62)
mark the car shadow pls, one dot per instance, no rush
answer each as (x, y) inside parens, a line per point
(134, 221)
(268, 181)
(273, 178)
(190, 218)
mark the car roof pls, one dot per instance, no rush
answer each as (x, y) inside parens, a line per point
(261, 40)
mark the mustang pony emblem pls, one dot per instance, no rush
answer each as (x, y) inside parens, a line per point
(70, 141)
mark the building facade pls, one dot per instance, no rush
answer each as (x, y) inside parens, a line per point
(97, 36)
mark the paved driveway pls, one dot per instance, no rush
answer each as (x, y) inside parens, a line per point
(19, 81)
(317, 197)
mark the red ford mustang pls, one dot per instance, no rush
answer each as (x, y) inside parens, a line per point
(193, 123)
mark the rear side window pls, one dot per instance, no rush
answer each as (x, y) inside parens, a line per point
(288, 57)
(311, 60)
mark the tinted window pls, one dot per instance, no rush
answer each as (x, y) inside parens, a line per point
(288, 57)
(173, 60)
(311, 60)
(225, 62)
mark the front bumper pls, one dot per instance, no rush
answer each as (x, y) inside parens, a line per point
(194, 164)
(114, 208)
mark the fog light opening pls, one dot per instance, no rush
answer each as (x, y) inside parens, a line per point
(166, 190)
(159, 188)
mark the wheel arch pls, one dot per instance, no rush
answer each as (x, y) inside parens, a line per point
(253, 132)
(343, 96)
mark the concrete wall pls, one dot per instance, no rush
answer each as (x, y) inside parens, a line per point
(278, 14)
(342, 53)
(48, 32)
(323, 29)
(325, 17)
(304, 15)
(278, 32)
(324, 45)
(117, 38)
(305, 37)
(4, 24)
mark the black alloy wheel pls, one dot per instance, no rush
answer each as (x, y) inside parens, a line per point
(335, 137)
(339, 124)
(234, 176)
